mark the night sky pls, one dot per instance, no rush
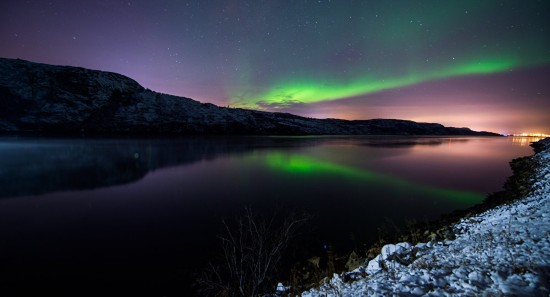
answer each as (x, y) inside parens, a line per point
(482, 64)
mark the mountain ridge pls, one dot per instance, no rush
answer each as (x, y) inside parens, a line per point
(49, 99)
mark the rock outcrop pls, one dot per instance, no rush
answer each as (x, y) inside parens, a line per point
(47, 99)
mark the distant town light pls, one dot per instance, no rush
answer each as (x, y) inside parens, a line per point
(531, 135)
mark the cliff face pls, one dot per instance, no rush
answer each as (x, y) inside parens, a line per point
(40, 98)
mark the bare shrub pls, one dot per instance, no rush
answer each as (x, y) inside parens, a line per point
(252, 247)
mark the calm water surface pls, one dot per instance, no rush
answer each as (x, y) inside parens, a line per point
(143, 215)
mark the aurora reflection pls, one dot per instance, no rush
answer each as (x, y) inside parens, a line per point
(301, 164)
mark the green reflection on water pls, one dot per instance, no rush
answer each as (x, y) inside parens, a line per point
(300, 164)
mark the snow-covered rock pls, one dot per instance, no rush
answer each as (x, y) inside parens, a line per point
(504, 251)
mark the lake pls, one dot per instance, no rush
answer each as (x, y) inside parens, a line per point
(143, 215)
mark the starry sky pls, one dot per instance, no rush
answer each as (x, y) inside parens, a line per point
(481, 64)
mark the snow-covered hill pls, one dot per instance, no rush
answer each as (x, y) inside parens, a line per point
(504, 251)
(40, 98)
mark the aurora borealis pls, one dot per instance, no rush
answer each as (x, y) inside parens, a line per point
(481, 64)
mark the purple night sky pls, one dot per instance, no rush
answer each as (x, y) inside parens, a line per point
(480, 64)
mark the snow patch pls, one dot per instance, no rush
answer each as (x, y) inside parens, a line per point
(503, 251)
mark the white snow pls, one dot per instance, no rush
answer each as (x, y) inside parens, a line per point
(504, 251)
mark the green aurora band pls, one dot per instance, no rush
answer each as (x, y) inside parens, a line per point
(300, 164)
(305, 91)
(335, 50)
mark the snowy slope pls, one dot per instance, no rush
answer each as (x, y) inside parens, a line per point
(502, 252)
(41, 98)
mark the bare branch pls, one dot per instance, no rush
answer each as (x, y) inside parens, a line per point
(252, 248)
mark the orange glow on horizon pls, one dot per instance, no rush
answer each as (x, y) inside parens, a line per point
(541, 135)
(526, 140)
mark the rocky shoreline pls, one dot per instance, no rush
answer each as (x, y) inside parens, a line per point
(516, 187)
(509, 230)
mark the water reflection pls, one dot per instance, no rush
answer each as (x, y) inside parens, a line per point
(525, 140)
(38, 166)
(411, 141)
(145, 213)
(296, 163)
